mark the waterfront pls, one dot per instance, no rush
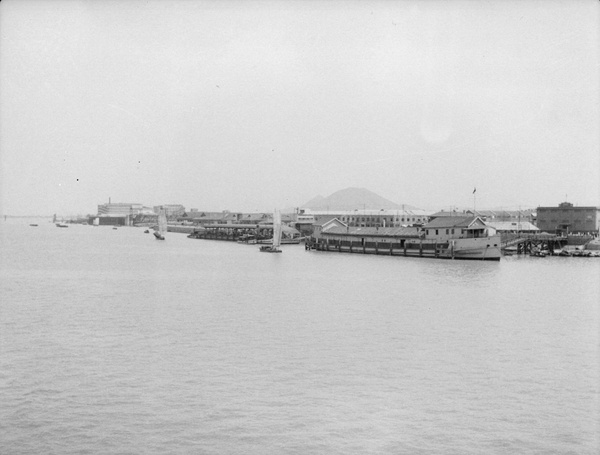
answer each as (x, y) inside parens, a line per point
(112, 342)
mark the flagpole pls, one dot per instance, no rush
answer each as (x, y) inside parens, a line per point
(474, 203)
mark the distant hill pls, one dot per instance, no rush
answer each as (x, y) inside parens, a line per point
(317, 201)
(352, 199)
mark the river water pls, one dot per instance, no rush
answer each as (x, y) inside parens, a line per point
(112, 342)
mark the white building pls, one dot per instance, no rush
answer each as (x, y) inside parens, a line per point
(171, 210)
(447, 228)
(370, 218)
(120, 209)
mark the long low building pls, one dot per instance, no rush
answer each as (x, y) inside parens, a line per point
(306, 218)
(123, 209)
(369, 218)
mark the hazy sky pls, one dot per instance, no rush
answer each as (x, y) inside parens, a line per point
(247, 105)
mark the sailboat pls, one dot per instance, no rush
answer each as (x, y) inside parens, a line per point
(274, 247)
(162, 225)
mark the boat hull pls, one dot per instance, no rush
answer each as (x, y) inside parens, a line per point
(481, 249)
(269, 249)
(282, 242)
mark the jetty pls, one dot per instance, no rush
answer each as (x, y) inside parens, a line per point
(245, 233)
(529, 243)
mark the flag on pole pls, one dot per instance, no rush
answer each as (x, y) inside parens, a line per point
(474, 189)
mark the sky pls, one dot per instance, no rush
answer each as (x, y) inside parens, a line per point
(256, 105)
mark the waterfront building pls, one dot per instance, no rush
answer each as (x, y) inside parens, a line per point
(446, 228)
(122, 209)
(171, 210)
(121, 213)
(369, 218)
(255, 218)
(491, 215)
(569, 219)
(335, 232)
(231, 217)
(304, 222)
(326, 225)
(504, 215)
(513, 227)
(202, 218)
(225, 217)
(446, 213)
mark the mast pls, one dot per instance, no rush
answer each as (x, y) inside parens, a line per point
(162, 222)
(276, 229)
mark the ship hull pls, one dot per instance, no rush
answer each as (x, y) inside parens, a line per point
(485, 248)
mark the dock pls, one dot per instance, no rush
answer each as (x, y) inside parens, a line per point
(528, 243)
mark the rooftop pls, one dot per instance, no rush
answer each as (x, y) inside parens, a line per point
(411, 232)
(452, 222)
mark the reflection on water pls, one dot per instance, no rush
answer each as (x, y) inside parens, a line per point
(461, 273)
(113, 342)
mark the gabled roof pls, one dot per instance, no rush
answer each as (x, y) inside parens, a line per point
(324, 219)
(453, 222)
(486, 213)
(290, 230)
(445, 213)
(204, 215)
(231, 216)
(254, 216)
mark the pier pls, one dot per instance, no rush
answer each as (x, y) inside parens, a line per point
(528, 243)
(245, 233)
(233, 232)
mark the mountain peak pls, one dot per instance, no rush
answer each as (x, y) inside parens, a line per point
(353, 198)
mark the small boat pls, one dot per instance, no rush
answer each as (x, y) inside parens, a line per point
(146, 231)
(34, 225)
(269, 249)
(115, 228)
(60, 225)
(592, 245)
(274, 247)
(579, 253)
(160, 233)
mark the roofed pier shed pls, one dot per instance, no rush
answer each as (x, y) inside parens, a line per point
(232, 232)
(246, 233)
(333, 235)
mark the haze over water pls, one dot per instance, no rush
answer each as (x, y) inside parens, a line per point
(112, 342)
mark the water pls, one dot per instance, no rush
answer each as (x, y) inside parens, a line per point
(112, 342)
